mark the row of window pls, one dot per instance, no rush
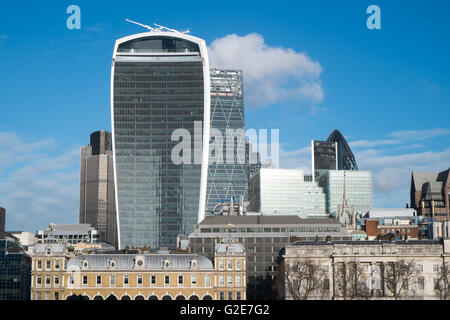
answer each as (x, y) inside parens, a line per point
(245, 230)
(48, 264)
(238, 264)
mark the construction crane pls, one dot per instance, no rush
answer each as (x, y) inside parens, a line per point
(157, 27)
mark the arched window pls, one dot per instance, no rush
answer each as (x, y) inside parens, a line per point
(166, 297)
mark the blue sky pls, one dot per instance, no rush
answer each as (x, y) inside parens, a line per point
(387, 90)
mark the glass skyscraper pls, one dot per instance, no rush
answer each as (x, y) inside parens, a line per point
(227, 177)
(159, 83)
(358, 189)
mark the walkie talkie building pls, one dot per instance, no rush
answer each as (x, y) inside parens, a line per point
(159, 83)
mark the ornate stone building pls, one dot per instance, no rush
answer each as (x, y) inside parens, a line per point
(161, 276)
(419, 266)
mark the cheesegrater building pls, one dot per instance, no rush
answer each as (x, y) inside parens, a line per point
(159, 83)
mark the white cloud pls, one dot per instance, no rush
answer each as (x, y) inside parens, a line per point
(271, 74)
(37, 187)
(419, 134)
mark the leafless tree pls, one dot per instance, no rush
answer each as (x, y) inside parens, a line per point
(349, 282)
(399, 277)
(442, 283)
(305, 278)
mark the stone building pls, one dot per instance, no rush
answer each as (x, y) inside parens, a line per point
(59, 275)
(430, 194)
(373, 261)
(262, 237)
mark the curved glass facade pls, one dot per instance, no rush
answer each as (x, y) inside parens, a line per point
(346, 159)
(152, 97)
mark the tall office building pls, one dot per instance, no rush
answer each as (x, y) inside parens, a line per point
(160, 82)
(333, 154)
(227, 172)
(346, 159)
(286, 192)
(358, 190)
(2, 219)
(97, 201)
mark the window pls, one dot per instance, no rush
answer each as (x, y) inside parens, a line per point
(47, 280)
(38, 296)
(221, 280)
(112, 280)
(47, 296)
(38, 281)
(71, 280)
(139, 280)
(230, 295)
(56, 295)
(435, 267)
(85, 280)
(230, 280)
(153, 280)
(326, 268)
(222, 295)
(238, 295)
(326, 284)
(56, 264)
(207, 280)
(48, 264)
(180, 280)
(420, 267)
(221, 265)
(99, 280)
(39, 265)
(230, 265)
(56, 280)
(166, 280)
(194, 280)
(125, 280)
(238, 280)
(421, 283)
(238, 264)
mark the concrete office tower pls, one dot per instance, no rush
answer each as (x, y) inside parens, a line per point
(2, 219)
(97, 201)
(227, 174)
(160, 91)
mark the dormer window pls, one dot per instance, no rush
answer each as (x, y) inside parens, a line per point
(193, 264)
(48, 251)
(112, 264)
(166, 264)
(139, 262)
(85, 264)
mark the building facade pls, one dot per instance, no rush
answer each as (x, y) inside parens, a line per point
(2, 219)
(346, 159)
(160, 100)
(15, 269)
(418, 261)
(430, 194)
(286, 192)
(160, 276)
(358, 190)
(97, 197)
(71, 234)
(227, 170)
(262, 237)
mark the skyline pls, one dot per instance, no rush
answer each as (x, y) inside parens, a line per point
(391, 76)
